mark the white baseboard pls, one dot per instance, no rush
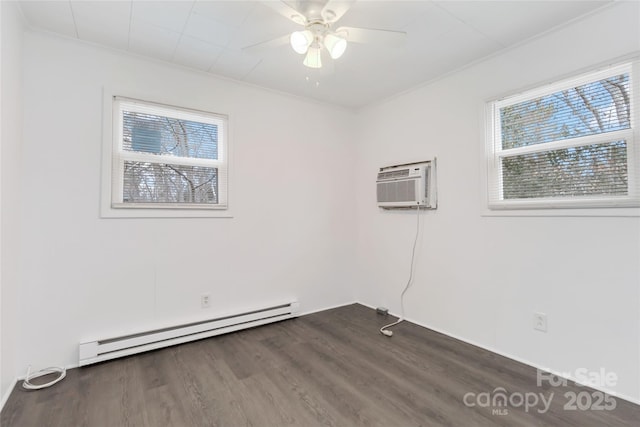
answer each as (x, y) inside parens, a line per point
(7, 393)
(329, 308)
(633, 400)
(373, 308)
(528, 362)
(19, 378)
(623, 396)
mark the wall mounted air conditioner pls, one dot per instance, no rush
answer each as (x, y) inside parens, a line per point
(407, 186)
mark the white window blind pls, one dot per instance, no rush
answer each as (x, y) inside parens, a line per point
(167, 157)
(568, 145)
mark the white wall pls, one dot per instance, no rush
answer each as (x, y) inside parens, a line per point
(11, 134)
(481, 278)
(86, 277)
(296, 231)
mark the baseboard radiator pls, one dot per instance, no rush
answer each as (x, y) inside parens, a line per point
(112, 348)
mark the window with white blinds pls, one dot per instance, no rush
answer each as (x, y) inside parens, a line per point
(571, 144)
(167, 157)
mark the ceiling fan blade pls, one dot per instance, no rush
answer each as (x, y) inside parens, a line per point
(259, 47)
(287, 11)
(335, 9)
(373, 35)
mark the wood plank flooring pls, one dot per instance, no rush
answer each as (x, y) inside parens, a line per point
(331, 368)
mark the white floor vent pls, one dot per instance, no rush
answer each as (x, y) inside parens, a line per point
(111, 348)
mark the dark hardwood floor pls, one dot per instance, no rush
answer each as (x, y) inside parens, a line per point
(326, 369)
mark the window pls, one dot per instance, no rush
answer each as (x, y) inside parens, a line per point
(567, 145)
(167, 158)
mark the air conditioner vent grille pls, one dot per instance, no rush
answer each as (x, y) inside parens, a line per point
(408, 185)
(403, 173)
(399, 191)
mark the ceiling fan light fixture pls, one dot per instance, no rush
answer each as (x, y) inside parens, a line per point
(301, 40)
(313, 58)
(336, 45)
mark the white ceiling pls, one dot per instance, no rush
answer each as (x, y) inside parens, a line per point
(209, 35)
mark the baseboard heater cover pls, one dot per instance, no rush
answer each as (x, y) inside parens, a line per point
(112, 348)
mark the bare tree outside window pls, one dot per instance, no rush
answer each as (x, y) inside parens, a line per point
(594, 108)
(168, 138)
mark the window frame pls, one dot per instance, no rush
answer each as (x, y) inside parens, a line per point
(579, 205)
(114, 157)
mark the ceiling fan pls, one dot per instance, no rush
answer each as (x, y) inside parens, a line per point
(318, 18)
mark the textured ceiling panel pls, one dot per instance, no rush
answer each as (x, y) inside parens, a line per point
(210, 36)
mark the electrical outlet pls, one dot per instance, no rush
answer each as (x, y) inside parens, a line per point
(540, 322)
(205, 301)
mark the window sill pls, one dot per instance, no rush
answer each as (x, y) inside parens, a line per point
(575, 212)
(110, 212)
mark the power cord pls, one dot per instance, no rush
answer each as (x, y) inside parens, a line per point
(384, 330)
(27, 385)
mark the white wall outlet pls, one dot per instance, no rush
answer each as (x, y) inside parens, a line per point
(540, 322)
(205, 301)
